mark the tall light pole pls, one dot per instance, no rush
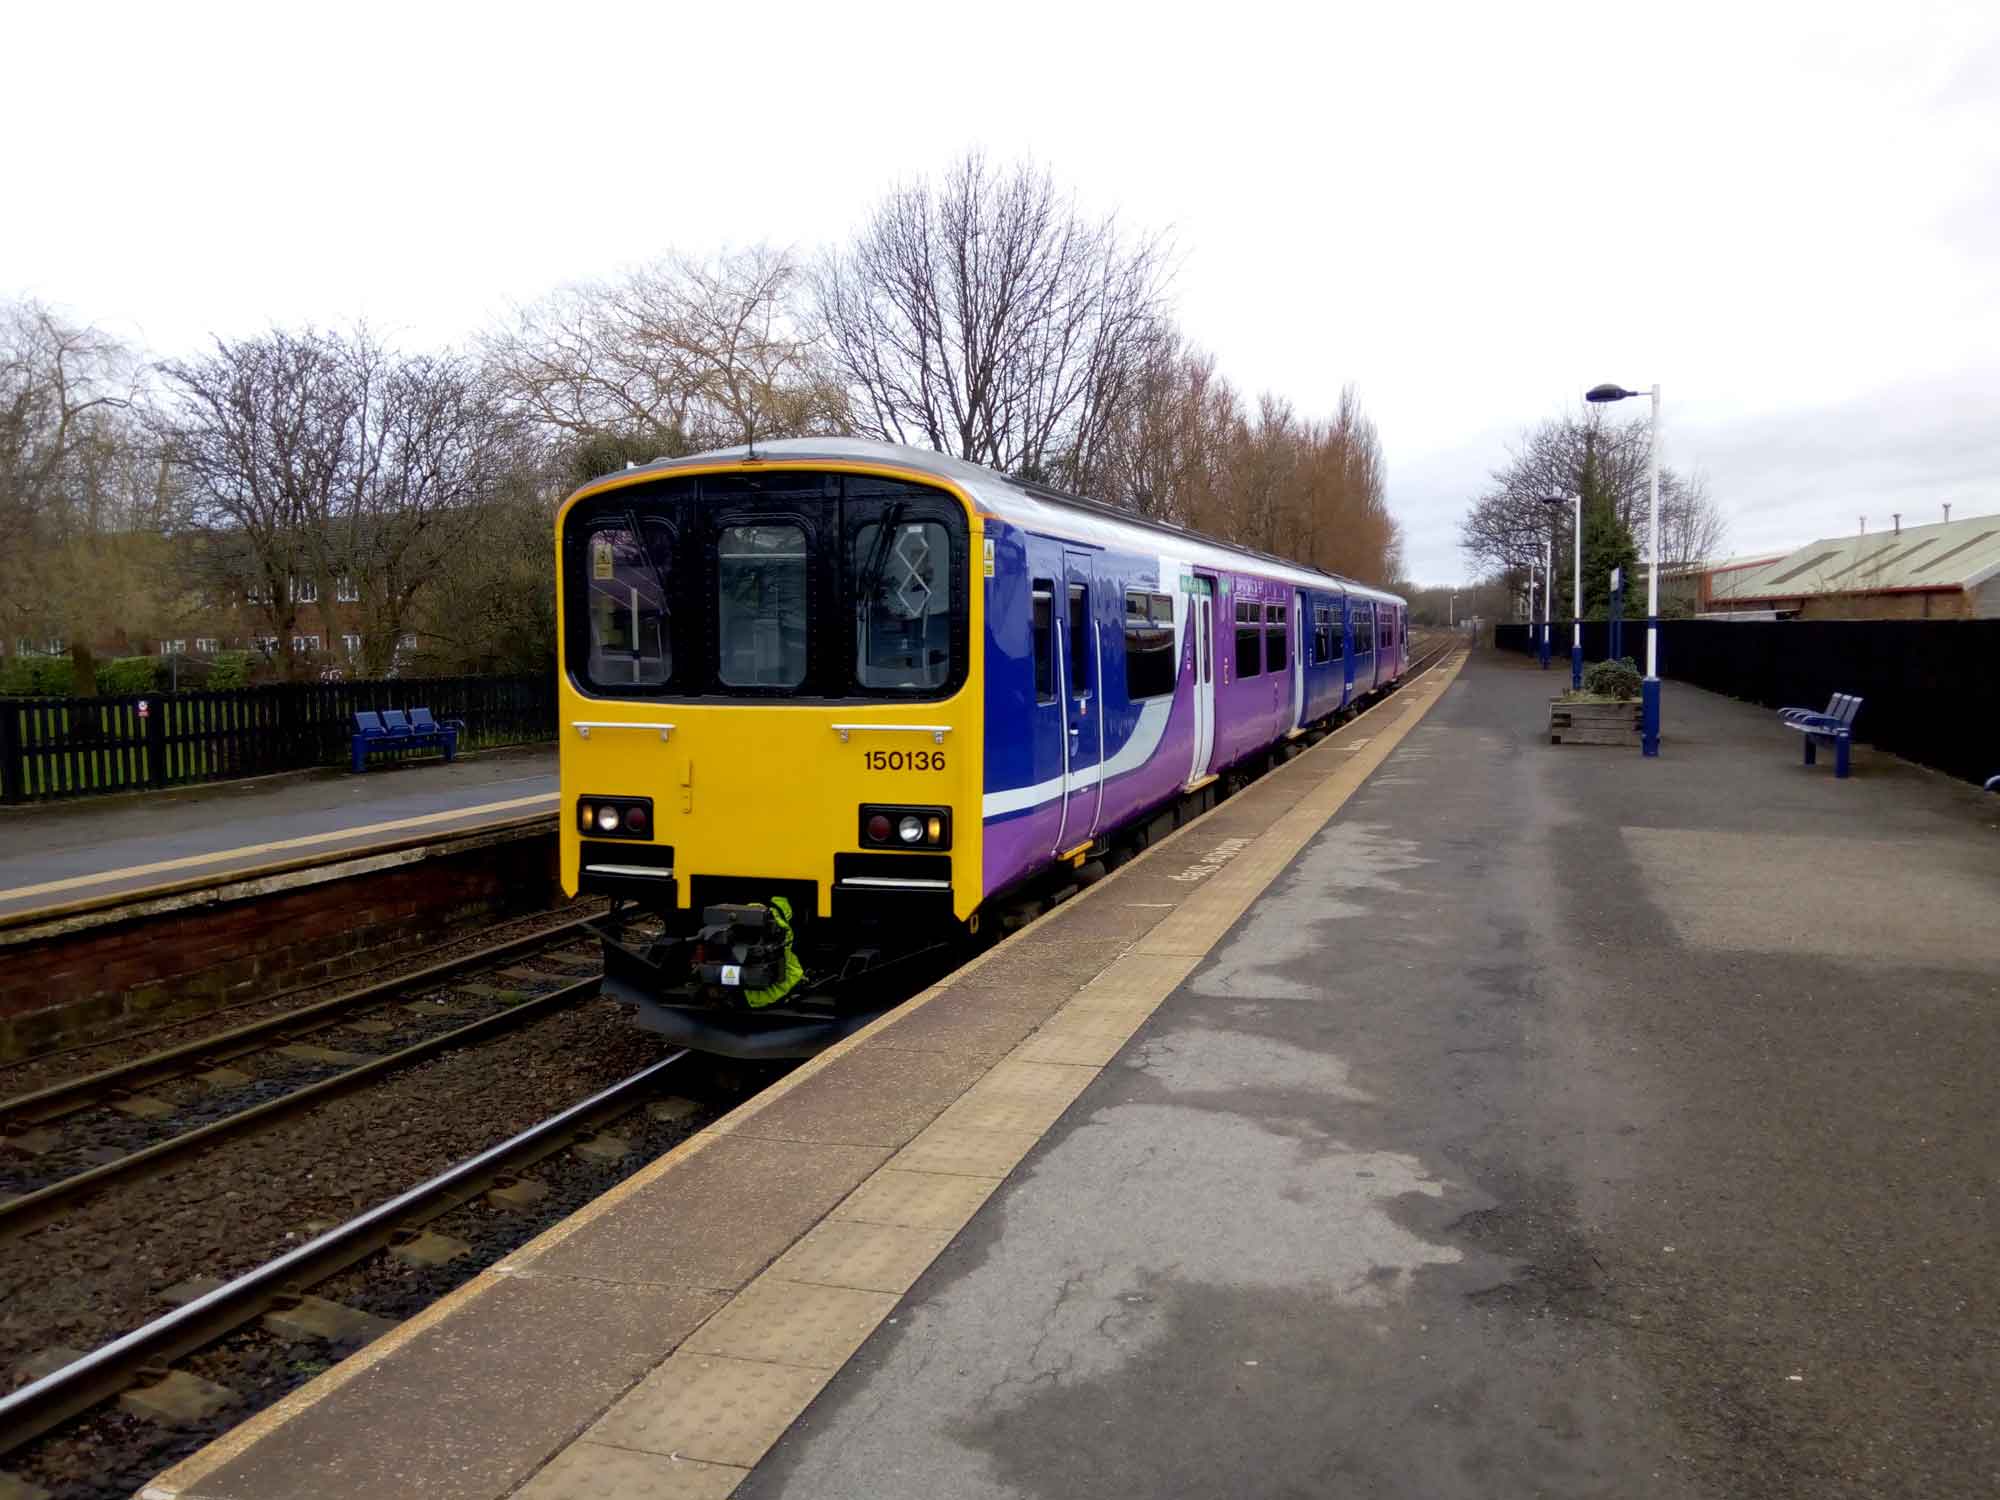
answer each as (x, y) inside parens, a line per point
(1649, 732)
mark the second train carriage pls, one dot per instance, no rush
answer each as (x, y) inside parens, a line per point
(823, 703)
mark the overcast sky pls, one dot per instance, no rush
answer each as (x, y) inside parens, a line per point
(1788, 215)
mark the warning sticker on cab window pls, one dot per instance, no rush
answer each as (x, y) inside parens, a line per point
(989, 557)
(602, 563)
(732, 974)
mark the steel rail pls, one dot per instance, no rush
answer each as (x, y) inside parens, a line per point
(72, 1094)
(38, 1207)
(31, 1411)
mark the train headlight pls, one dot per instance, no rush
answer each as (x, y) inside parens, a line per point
(605, 817)
(892, 827)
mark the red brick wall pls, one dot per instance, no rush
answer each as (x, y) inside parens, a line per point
(131, 973)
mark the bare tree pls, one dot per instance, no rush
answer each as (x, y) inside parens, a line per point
(986, 317)
(73, 482)
(262, 436)
(1505, 529)
(678, 355)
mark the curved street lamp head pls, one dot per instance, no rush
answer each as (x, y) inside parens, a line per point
(1609, 393)
(1553, 500)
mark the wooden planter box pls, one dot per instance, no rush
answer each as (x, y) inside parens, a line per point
(1595, 723)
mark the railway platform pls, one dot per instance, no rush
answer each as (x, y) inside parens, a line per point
(57, 856)
(1447, 1114)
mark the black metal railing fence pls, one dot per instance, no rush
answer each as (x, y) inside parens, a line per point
(77, 747)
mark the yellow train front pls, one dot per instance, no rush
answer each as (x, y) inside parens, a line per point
(769, 709)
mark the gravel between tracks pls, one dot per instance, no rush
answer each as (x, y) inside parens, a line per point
(97, 1273)
(29, 1074)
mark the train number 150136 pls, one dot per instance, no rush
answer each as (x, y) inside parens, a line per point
(903, 760)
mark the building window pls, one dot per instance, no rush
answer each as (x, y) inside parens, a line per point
(345, 592)
(305, 591)
(406, 643)
(257, 594)
(1044, 640)
(1150, 661)
(1249, 640)
(351, 644)
(173, 648)
(1277, 646)
(268, 644)
(206, 645)
(305, 643)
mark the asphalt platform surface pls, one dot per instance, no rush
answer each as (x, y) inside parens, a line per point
(111, 845)
(1558, 1124)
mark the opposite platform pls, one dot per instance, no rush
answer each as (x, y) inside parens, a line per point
(59, 856)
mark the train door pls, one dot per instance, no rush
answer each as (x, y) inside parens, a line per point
(1082, 659)
(1350, 614)
(1201, 627)
(1298, 632)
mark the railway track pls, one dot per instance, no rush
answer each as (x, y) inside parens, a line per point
(144, 1353)
(73, 1139)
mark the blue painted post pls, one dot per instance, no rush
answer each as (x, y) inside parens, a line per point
(1649, 716)
(1617, 616)
(1576, 659)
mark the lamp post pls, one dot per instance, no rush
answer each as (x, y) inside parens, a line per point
(1649, 733)
(1576, 590)
(1548, 598)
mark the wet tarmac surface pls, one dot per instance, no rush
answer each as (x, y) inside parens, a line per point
(1551, 1127)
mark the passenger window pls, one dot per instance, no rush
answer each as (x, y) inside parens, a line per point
(1044, 642)
(1249, 640)
(631, 639)
(761, 606)
(1150, 662)
(1277, 645)
(902, 606)
(1079, 641)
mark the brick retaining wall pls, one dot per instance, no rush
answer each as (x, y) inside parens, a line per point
(114, 966)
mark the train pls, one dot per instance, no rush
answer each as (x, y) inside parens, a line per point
(830, 705)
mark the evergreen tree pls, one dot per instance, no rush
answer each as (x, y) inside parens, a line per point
(1607, 542)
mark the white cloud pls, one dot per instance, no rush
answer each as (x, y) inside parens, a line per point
(1785, 214)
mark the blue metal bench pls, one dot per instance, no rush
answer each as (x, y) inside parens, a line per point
(1832, 710)
(392, 732)
(1835, 728)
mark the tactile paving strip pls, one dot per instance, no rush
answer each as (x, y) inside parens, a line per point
(594, 1471)
(873, 1257)
(917, 1200)
(707, 1407)
(793, 1323)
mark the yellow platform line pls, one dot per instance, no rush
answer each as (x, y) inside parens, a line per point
(305, 841)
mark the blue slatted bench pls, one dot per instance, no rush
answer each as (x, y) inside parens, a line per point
(1835, 727)
(392, 732)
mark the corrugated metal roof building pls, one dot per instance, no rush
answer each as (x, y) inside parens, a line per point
(1946, 571)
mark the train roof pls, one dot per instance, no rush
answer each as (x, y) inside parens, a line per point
(1037, 507)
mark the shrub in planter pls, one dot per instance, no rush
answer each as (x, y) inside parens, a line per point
(1612, 679)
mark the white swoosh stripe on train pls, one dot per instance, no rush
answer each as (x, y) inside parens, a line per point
(1134, 753)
